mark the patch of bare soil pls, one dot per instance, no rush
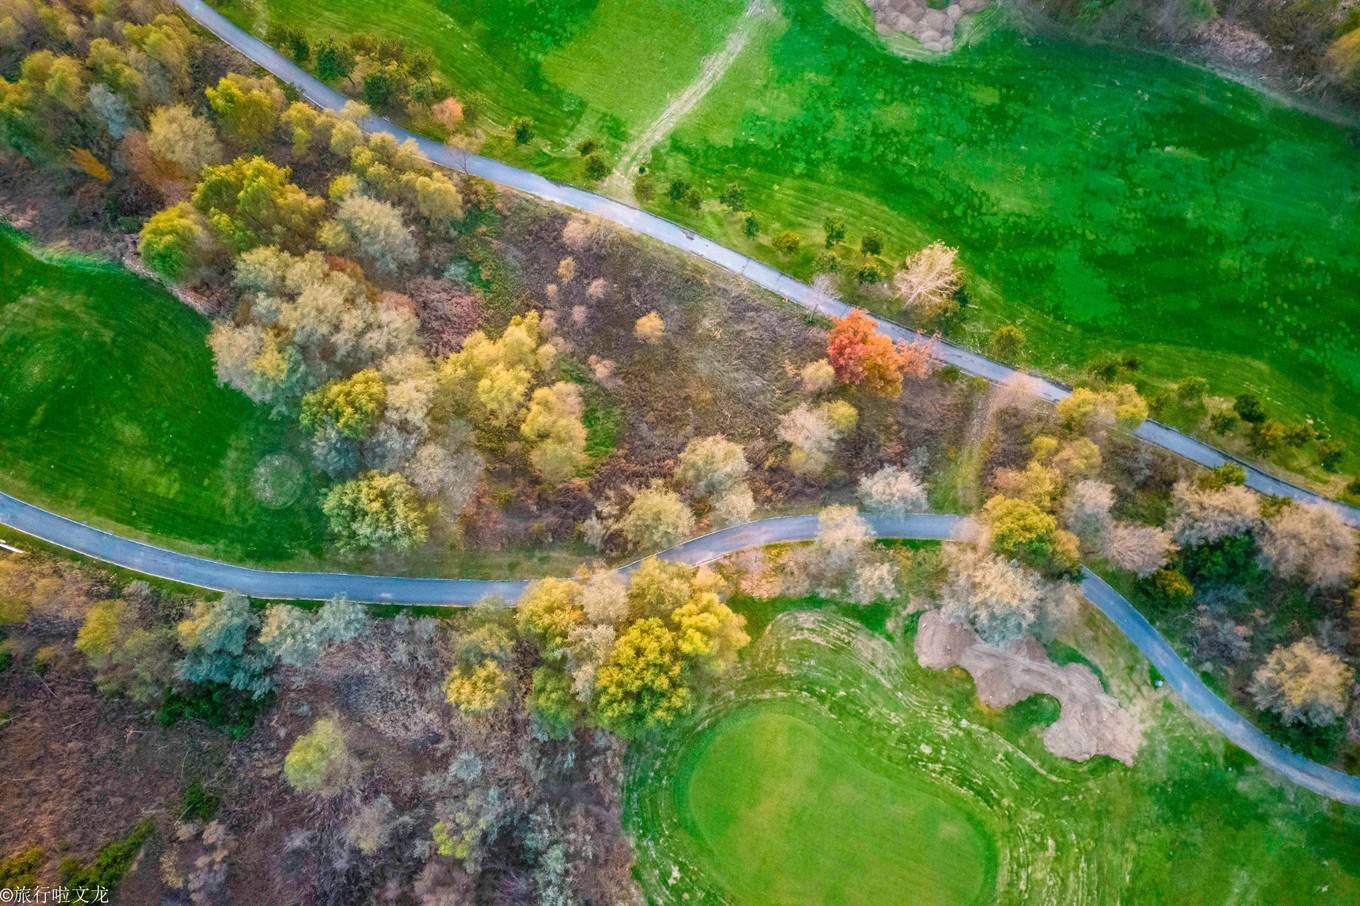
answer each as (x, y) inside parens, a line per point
(1092, 722)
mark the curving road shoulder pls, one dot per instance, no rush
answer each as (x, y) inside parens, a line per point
(678, 237)
(259, 583)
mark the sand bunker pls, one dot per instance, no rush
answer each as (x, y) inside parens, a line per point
(1092, 722)
(934, 28)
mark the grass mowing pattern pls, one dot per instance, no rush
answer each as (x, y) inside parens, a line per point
(110, 411)
(1193, 821)
(1104, 200)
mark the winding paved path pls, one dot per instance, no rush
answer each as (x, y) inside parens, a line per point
(691, 243)
(259, 583)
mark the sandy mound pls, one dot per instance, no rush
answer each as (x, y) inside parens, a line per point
(1092, 723)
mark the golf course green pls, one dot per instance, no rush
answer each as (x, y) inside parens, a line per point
(1108, 201)
(749, 780)
(834, 769)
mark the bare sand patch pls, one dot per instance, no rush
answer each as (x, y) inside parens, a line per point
(1092, 722)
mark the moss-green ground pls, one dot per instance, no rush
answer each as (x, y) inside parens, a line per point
(1105, 200)
(837, 770)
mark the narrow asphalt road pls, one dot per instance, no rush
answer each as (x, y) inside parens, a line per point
(259, 583)
(688, 241)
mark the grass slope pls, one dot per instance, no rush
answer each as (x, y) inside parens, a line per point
(109, 410)
(1104, 200)
(834, 749)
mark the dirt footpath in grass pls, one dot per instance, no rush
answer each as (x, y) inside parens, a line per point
(714, 67)
(1092, 722)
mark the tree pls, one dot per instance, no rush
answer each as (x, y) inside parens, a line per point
(1037, 483)
(733, 197)
(1000, 599)
(818, 376)
(1309, 542)
(834, 228)
(1088, 510)
(320, 761)
(1140, 549)
(477, 690)
(708, 630)
(656, 519)
(1006, 343)
(1021, 531)
(487, 380)
(1267, 436)
(1248, 407)
(640, 686)
(841, 562)
(892, 490)
(452, 478)
(929, 280)
(548, 610)
(812, 433)
(1170, 588)
(249, 202)
(218, 647)
(553, 425)
(658, 587)
(553, 703)
(1303, 683)
(871, 244)
(351, 405)
(106, 624)
(172, 242)
(111, 109)
(708, 466)
(863, 357)
(597, 168)
(649, 328)
(523, 130)
(296, 638)
(1203, 516)
(374, 231)
(736, 504)
(787, 243)
(376, 510)
(189, 142)
(247, 108)
(1122, 405)
(1191, 389)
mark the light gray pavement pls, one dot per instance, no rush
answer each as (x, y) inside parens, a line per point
(688, 241)
(190, 570)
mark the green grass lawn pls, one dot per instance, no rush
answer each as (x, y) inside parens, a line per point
(786, 805)
(110, 412)
(834, 769)
(1104, 200)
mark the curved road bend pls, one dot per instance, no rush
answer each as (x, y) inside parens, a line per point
(687, 241)
(259, 583)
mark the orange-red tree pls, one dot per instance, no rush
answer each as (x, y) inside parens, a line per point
(866, 358)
